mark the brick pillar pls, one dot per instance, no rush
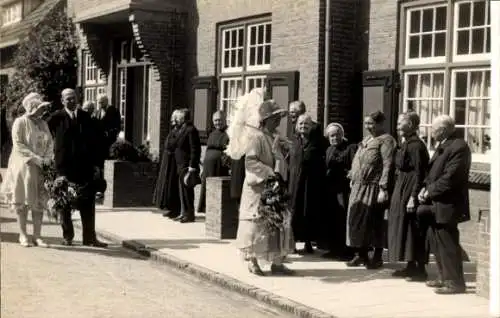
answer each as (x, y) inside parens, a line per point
(161, 36)
(221, 218)
(495, 162)
(483, 254)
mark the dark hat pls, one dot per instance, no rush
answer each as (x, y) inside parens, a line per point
(191, 179)
(100, 185)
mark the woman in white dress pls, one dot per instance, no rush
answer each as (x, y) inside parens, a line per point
(252, 133)
(22, 186)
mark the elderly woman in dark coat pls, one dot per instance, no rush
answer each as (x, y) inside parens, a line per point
(306, 182)
(406, 235)
(166, 192)
(216, 163)
(339, 158)
(370, 186)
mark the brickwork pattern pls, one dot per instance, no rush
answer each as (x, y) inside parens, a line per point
(383, 34)
(479, 200)
(483, 255)
(129, 184)
(221, 219)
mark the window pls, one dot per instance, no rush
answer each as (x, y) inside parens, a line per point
(424, 95)
(472, 30)
(122, 92)
(452, 80)
(426, 37)
(470, 106)
(12, 13)
(245, 57)
(94, 80)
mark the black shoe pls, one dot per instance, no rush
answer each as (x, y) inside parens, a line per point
(281, 270)
(177, 218)
(96, 243)
(437, 283)
(186, 219)
(170, 214)
(417, 277)
(67, 242)
(357, 261)
(403, 273)
(374, 264)
(450, 290)
(308, 248)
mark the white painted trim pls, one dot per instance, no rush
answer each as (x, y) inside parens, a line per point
(260, 67)
(495, 164)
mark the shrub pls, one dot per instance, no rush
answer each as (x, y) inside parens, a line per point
(45, 61)
(125, 151)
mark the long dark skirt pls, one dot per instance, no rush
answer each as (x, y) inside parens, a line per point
(335, 221)
(365, 217)
(212, 167)
(406, 234)
(166, 192)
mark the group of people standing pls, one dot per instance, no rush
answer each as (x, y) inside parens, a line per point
(77, 141)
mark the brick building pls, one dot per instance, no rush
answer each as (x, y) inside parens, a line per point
(430, 56)
(437, 55)
(152, 56)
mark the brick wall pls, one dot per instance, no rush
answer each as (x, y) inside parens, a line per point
(295, 37)
(479, 200)
(382, 34)
(483, 255)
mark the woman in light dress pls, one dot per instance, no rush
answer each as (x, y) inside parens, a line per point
(252, 133)
(22, 186)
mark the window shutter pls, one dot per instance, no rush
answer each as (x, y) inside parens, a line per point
(283, 87)
(380, 93)
(205, 104)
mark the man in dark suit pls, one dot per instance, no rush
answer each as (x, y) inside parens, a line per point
(445, 197)
(109, 120)
(75, 159)
(187, 158)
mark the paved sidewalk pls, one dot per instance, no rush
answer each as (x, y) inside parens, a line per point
(327, 286)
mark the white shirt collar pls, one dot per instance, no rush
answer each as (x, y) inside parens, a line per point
(71, 114)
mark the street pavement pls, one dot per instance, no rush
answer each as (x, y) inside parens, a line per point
(62, 282)
(324, 285)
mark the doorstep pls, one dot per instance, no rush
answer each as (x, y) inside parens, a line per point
(321, 288)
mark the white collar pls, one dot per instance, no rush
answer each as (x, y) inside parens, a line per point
(71, 114)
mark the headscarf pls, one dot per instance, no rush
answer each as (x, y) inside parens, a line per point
(339, 127)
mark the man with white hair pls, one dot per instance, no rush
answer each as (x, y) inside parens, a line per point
(75, 159)
(110, 120)
(445, 200)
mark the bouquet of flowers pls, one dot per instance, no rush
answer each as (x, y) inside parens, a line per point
(62, 193)
(273, 204)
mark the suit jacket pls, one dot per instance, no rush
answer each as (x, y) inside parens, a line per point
(447, 181)
(188, 148)
(110, 124)
(74, 145)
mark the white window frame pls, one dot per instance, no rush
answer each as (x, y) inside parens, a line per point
(261, 67)
(223, 99)
(225, 33)
(425, 60)
(253, 77)
(477, 157)
(406, 98)
(471, 57)
(12, 13)
(122, 91)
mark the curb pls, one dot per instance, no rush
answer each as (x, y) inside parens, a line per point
(217, 278)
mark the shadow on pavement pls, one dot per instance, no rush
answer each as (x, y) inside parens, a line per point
(111, 251)
(181, 244)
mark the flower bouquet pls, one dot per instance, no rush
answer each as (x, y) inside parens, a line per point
(273, 204)
(62, 194)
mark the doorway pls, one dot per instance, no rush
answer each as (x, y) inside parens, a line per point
(133, 93)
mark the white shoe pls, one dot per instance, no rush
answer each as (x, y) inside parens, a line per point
(40, 243)
(23, 240)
